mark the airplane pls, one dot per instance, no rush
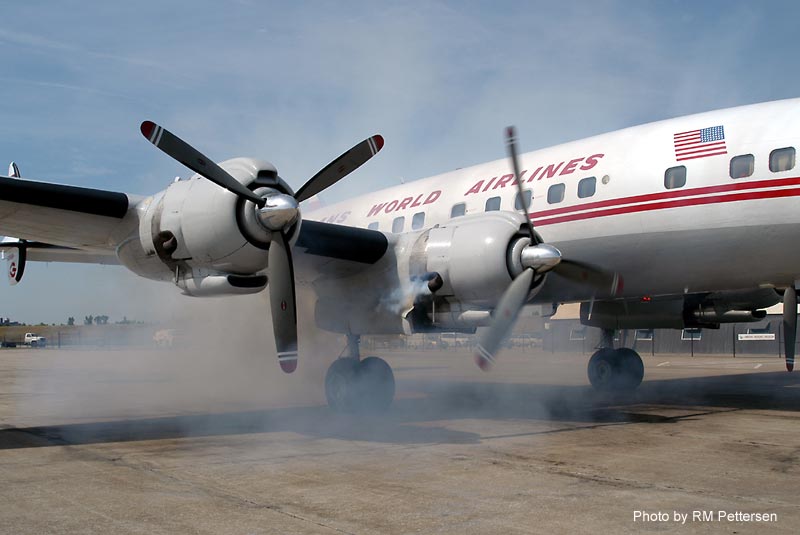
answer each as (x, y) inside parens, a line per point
(681, 223)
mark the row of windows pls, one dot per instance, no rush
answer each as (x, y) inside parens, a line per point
(399, 223)
(741, 166)
(779, 160)
(586, 188)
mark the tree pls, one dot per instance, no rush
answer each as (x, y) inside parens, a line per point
(88, 320)
(70, 321)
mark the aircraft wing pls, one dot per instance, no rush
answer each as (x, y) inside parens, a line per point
(334, 250)
(80, 219)
(46, 252)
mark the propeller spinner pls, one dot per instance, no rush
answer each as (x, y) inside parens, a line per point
(276, 212)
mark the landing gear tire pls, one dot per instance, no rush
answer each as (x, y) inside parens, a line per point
(364, 387)
(375, 385)
(602, 369)
(615, 370)
(339, 383)
(631, 371)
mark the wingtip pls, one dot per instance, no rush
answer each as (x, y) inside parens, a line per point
(378, 141)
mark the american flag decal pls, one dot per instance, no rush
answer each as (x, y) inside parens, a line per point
(700, 143)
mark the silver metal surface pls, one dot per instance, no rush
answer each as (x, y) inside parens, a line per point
(279, 213)
(541, 258)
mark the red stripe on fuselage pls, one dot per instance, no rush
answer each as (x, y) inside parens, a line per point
(694, 201)
(546, 215)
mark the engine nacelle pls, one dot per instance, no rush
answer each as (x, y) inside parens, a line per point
(666, 314)
(471, 255)
(196, 226)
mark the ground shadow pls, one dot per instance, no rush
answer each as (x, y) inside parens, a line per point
(414, 420)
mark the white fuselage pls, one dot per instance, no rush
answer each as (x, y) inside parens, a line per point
(714, 232)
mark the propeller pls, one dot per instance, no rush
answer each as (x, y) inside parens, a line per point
(536, 258)
(276, 212)
(789, 325)
(178, 149)
(511, 144)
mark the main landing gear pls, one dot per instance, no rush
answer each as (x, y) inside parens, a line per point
(355, 385)
(615, 369)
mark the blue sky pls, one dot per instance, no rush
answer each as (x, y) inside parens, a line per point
(297, 83)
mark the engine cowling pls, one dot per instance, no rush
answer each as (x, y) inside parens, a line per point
(474, 256)
(196, 233)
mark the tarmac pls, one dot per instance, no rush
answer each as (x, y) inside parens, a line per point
(173, 441)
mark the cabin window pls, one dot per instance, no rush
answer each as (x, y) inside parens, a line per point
(373, 226)
(458, 210)
(742, 166)
(398, 224)
(555, 193)
(587, 187)
(518, 200)
(675, 177)
(781, 159)
(418, 221)
(493, 204)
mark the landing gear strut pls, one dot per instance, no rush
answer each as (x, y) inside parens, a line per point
(615, 369)
(355, 385)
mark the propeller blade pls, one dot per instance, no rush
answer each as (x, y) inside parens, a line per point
(504, 316)
(607, 282)
(511, 142)
(283, 302)
(789, 324)
(181, 151)
(340, 167)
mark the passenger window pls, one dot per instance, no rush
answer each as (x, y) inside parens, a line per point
(556, 193)
(587, 187)
(675, 177)
(781, 159)
(397, 224)
(458, 210)
(493, 204)
(742, 166)
(418, 221)
(373, 226)
(518, 200)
